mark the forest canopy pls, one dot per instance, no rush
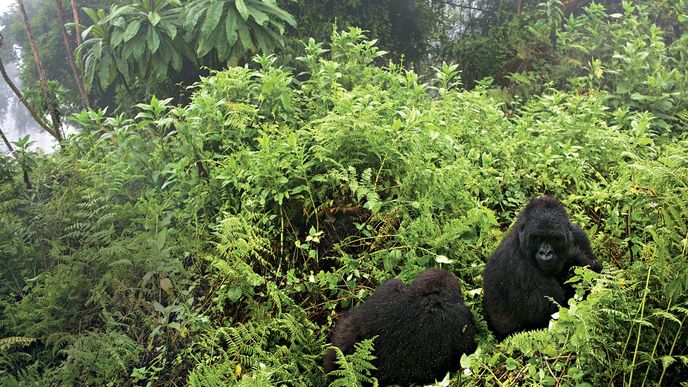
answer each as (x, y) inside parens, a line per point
(242, 172)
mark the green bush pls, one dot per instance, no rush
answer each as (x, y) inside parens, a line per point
(216, 243)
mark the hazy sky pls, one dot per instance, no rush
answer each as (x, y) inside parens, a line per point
(5, 5)
(17, 124)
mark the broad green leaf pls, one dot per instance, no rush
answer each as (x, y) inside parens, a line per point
(277, 12)
(132, 30)
(116, 38)
(153, 40)
(223, 48)
(231, 27)
(176, 61)
(192, 17)
(119, 22)
(86, 32)
(159, 68)
(97, 51)
(89, 72)
(138, 49)
(169, 29)
(122, 67)
(241, 7)
(212, 41)
(245, 36)
(261, 40)
(212, 17)
(154, 18)
(92, 14)
(260, 17)
(107, 72)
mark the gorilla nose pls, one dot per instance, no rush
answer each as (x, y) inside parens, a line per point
(545, 255)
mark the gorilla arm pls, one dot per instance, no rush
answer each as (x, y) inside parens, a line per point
(581, 253)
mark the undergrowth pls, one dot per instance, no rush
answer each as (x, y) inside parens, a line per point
(216, 243)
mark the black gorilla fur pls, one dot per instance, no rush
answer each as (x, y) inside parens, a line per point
(530, 265)
(422, 329)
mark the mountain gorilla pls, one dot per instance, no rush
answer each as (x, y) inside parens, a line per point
(422, 329)
(531, 265)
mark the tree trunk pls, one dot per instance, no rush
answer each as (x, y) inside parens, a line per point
(41, 75)
(23, 100)
(75, 14)
(6, 141)
(70, 56)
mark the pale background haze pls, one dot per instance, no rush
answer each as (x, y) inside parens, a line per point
(15, 121)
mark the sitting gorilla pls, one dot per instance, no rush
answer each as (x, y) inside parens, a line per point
(531, 265)
(422, 329)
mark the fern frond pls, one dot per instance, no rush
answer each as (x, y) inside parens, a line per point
(356, 368)
(7, 343)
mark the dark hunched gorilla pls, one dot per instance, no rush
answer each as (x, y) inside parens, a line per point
(422, 329)
(531, 265)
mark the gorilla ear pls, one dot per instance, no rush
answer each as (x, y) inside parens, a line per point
(521, 231)
(522, 243)
(570, 234)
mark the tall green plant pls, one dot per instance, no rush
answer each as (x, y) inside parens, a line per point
(228, 29)
(134, 41)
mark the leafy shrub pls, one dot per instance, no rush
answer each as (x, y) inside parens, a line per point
(216, 243)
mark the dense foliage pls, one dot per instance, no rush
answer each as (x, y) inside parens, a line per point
(215, 243)
(134, 49)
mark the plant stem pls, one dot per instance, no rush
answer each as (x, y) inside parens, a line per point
(671, 351)
(646, 290)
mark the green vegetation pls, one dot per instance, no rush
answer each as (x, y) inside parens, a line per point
(215, 242)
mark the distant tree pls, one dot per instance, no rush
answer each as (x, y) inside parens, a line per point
(75, 14)
(70, 55)
(52, 107)
(21, 97)
(405, 28)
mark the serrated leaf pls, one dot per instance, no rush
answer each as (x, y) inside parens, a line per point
(158, 307)
(166, 285)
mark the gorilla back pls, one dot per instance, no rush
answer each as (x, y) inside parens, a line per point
(422, 329)
(531, 265)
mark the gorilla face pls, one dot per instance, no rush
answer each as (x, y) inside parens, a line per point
(548, 250)
(546, 239)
